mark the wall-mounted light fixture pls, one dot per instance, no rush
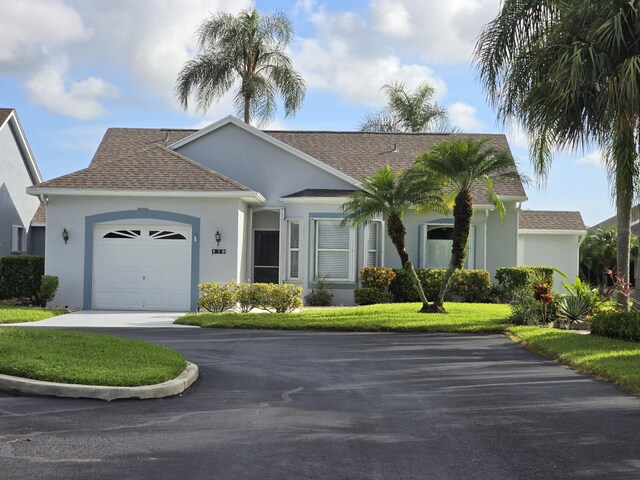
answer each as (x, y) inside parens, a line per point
(218, 237)
(65, 236)
(195, 239)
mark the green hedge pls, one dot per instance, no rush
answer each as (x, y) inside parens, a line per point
(624, 325)
(512, 278)
(370, 296)
(20, 276)
(466, 285)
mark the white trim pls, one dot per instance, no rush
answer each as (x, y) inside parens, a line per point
(541, 231)
(38, 224)
(266, 137)
(249, 196)
(22, 138)
(513, 198)
(318, 200)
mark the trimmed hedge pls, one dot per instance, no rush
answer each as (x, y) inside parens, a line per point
(511, 279)
(623, 325)
(377, 277)
(466, 285)
(218, 297)
(370, 296)
(20, 276)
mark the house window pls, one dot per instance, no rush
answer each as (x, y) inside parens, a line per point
(373, 244)
(293, 256)
(18, 239)
(437, 243)
(334, 252)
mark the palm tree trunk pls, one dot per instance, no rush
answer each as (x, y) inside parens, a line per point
(397, 233)
(624, 153)
(462, 213)
(247, 110)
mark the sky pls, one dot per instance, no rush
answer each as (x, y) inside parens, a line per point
(73, 68)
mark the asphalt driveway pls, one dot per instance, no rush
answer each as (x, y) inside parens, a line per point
(310, 405)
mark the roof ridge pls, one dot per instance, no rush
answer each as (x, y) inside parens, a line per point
(202, 167)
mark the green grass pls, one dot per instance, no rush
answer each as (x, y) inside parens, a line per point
(26, 314)
(396, 317)
(85, 358)
(609, 359)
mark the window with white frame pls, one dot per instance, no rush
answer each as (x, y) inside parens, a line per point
(293, 255)
(18, 239)
(373, 244)
(334, 251)
(436, 246)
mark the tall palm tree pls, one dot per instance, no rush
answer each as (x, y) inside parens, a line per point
(568, 71)
(391, 195)
(461, 164)
(250, 49)
(408, 111)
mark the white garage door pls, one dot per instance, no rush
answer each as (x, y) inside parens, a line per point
(142, 267)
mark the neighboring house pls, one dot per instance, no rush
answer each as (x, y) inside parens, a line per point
(551, 238)
(159, 211)
(20, 232)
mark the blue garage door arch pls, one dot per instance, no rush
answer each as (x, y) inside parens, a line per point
(140, 213)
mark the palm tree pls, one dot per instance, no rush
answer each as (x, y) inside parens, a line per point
(461, 164)
(408, 111)
(568, 72)
(389, 194)
(250, 49)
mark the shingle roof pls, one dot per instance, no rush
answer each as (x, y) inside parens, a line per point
(4, 113)
(146, 166)
(550, 220)
(41, 214)
(357, 154)
(320, 192)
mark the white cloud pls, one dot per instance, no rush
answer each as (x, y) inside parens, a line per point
(151, 40)
(303, 6)
(592, 159)
(33, 27)
(445, 30)
(464, 117)
(348, 57)
(391, 18)
(52, 88)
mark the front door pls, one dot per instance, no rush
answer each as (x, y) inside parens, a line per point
(266, 255)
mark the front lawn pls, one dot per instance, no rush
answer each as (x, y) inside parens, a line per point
(26, 314)
(390, 317)
(85, 358)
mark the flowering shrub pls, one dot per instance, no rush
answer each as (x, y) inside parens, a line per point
(377, 277)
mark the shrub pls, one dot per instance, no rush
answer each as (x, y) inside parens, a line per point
(280, 298)
(377, 277)
(574, 307)
(247, 296)
(319, 296)
(624, 325)
(217, 297)
(511, 279)
(20, 276)
(533, 305)
(465, 285)
(48, 287)
(370, 296)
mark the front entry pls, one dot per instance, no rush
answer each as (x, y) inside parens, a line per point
(266, 256)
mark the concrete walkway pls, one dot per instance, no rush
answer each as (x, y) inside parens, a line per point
(107, 319)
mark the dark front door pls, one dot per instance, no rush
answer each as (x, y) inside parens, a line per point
(266, 253)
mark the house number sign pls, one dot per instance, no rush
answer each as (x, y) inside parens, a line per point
(219, 251)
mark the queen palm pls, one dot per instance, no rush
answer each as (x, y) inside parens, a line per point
(391, 195)
(408, 111)
(461, 164)
(249, 49)
(569, 73)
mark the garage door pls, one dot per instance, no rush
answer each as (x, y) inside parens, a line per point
(142, 267)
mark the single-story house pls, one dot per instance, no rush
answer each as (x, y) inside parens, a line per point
(21, 215)
(159, 211)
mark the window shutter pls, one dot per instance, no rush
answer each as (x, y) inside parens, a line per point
(294, 250)
(372, 244)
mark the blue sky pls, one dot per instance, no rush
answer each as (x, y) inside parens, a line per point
(73, 68)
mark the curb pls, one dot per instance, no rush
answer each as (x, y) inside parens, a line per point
(169, 388)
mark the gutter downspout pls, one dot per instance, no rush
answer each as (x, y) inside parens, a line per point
(518, 208)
